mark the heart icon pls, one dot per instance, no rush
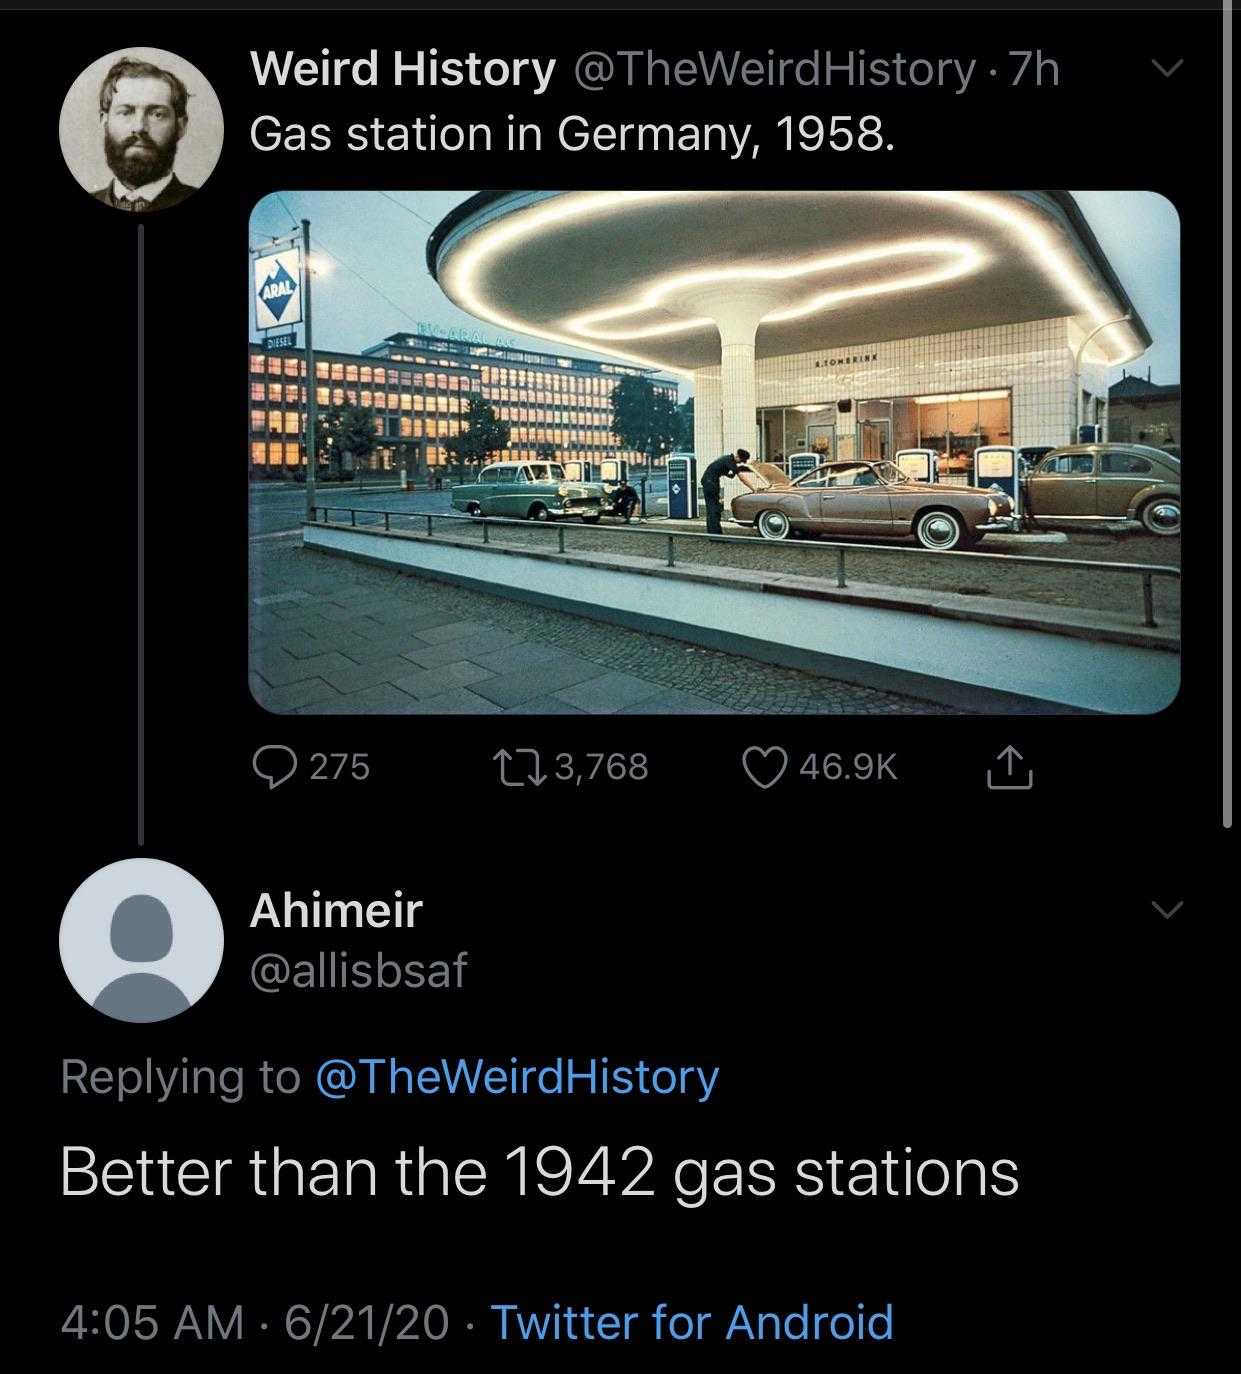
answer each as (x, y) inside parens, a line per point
(764, 767)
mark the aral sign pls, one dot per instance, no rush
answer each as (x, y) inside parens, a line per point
(278, 289)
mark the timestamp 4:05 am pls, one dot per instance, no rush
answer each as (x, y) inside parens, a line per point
(315, 1324)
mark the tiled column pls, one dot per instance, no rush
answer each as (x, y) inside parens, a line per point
(736, 307)
(737, 381)
(708, 429)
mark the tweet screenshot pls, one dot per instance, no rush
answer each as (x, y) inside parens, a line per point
(642, 770)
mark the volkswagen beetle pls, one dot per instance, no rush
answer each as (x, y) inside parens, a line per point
(869, 499)
(1094, 483)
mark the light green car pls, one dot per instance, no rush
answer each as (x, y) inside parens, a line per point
(529, 491)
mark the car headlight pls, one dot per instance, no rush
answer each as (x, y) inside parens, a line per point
(992, 508)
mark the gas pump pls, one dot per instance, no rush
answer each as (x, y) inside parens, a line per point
(996, 465)
(918, 464)
(577, 469)
(799, 464)
(682, 486)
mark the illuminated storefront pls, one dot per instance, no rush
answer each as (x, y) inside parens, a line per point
(953, 425)
(420, 385)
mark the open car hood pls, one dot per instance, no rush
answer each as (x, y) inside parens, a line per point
(763, 477)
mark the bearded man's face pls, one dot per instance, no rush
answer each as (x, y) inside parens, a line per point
(141, 131)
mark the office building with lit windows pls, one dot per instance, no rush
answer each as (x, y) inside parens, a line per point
(420, 385)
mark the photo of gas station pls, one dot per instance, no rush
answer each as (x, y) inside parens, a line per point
(946, 356)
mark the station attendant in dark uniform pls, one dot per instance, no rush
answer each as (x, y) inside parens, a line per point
(725, 466)
(625, 501)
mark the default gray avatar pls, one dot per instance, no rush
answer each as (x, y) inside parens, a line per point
(141, 940)
(141, 934)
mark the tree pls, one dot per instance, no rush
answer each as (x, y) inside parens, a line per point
(685, 427)
(344, 436)
(482, 434)
(643, 418)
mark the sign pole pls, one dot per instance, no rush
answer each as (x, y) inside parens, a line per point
(312, 400)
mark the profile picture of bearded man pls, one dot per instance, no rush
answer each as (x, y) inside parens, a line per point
(143, 112)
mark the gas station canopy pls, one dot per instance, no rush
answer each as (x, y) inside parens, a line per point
(665, 278)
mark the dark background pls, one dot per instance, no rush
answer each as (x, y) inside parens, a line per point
(921, 965)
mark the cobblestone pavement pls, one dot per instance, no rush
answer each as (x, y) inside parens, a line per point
(1116, 592)
(329, 635)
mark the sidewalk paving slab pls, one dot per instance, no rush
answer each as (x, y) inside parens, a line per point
(460, 701)
(457, 629)
(297, 643)
(546, 706)
(295, 694)
(372, 650)
(363, 675)
(381, 700)
(671, 702)
(285, 669)
(422, 683)
(526, 654)
(610, 693)
(437, 655)
(541, 679)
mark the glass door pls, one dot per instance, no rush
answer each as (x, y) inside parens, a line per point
(875, 431)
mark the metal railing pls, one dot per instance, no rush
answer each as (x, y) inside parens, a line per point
(384, 519)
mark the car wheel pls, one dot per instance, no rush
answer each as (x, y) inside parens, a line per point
(473, 508)
(590, 519)
(1162, 515)
(538, 512)
(940, 529)
(774, 524)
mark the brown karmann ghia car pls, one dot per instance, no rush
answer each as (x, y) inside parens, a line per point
(1106, 482)
(869, 499)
